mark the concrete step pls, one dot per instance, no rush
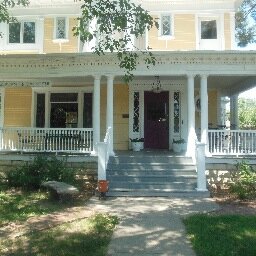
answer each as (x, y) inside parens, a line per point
(127, 186)
(150, 159)
(173, 194)
(151, 179)
(151, 173)
(152, 166)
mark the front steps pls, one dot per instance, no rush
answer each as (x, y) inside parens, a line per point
(151, 174)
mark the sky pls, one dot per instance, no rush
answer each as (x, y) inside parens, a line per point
(250, 94)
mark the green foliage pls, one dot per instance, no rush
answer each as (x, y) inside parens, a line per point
(247, 113)
(5, 5)
(245, 185)
(118, 21)
(31, 175)
(245, 23)
(222, 235)
(89, 236)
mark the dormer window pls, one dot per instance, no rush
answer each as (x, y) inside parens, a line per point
(22, 32)
(61, 28)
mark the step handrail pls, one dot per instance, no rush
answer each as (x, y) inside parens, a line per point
(103, 155)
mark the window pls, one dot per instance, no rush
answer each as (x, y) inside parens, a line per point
(208, 29)
(61, 28)
(64, 110)
(40, 110)
(22, 32)
(166, 25)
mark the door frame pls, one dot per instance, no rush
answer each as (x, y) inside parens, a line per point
(171, 86)
(220, 29)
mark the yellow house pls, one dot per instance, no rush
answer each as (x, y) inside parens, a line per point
(57, 96)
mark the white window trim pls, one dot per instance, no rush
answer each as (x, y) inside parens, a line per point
(48, 91)
(61, 40)
(24, 46)
(220, 27)
(160, 35)
(2, 95)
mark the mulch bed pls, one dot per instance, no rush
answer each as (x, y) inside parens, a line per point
(229, 204)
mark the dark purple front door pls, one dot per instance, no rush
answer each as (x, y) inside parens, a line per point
(156, 120)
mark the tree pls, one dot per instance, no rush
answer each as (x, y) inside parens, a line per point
(5, 6)
(117, 22)
(247, 113)
(245, 23)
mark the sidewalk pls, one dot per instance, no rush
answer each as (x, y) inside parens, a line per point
(150, 225)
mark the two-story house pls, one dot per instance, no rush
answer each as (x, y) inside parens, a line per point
(58, 96)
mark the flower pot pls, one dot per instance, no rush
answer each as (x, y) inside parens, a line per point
(177, 147)
(137, 146)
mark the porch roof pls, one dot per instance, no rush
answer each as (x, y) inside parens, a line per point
(231, 71)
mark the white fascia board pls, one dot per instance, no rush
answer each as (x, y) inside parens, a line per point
(188, 5)
(67, 11)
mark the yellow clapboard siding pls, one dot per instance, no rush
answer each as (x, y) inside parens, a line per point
(50, 47)
(227, 31)
(184, 35)
(121, 106)
(17, 109)
(212, 109)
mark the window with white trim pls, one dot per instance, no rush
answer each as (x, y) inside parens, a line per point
(166, 25)
(23, 32)
(61, 28)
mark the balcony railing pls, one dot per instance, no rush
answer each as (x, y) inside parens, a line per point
(73, 140)
(232, 142)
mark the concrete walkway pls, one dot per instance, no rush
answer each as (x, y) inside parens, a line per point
(150, 225)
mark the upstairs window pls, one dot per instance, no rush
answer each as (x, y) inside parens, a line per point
(166, 25)
(22, 32)
(61, 28)
(209, 29)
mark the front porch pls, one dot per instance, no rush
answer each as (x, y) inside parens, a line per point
(52, 104)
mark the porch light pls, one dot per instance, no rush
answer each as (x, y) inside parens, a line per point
(157, 88)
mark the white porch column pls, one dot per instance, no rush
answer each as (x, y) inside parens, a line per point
(47, 110)
(220, 120)
(201, 177)
(234, 121)
(110, 110)
(191, 117)
(204, 109)
(96, 113)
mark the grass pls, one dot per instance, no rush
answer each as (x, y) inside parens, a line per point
(88, 237)
(227, 235)
(19, 206)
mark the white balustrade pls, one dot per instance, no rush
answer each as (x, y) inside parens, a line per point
(232, 142)
(73, 140)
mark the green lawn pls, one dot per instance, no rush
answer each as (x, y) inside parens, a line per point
(88, 237)
(18, 206)
(227, 235)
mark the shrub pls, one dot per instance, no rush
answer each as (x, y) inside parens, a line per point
(245, 185)
(31, 175)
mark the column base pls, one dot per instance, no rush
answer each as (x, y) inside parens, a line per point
(201, 190)
(94, 153)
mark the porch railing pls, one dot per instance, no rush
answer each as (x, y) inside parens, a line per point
(74, 140)
(232, 142)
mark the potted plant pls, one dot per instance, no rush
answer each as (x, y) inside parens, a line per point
(178, 145)
(137, 144)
